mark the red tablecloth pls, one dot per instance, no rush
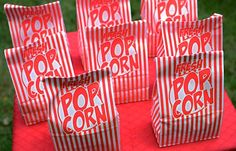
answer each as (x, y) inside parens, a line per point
(135, 122)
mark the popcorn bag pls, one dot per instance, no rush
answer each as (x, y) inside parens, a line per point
(184, 38)
(155, 11)
(29, 24)
(47, 57)
(122, 48)
(82, 112)
(188, 98)
(95, 13)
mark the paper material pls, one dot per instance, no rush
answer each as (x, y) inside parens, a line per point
(122, 48)
(29, 24)
(188, 98)
(48, 57)
(82, 112)
(155, 11)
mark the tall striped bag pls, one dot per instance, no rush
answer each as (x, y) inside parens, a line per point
(155, 11)
(29, 24)
(188, 96)
(94, 13)
(49, 56)
(122, 48)
(82, 112)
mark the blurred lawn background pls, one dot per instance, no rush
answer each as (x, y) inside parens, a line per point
(206, 8)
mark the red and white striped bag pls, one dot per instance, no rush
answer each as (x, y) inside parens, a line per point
(95, 13)
(82, 112)
(183, 38)
(188, 98)
(29, 24)
(155, 11)
(122, 48)
(47, 57)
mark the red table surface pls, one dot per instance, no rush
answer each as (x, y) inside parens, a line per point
(135, 124)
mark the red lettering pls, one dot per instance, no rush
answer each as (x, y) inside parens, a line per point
(101, 115)
(93, 16)
(177, 85)
(65, 127)
(28, 67)
(189, 77)
(176, 114)
(83, 93)
(117, 48)
(51, 56)
(205, 39)
(66, 101)
(31, 93)
(187, 99)
(26, 26)
(88, 114)
(93, 90)
(105, 47)
(197, 97)
(204, 75)
(78, 115)
(40, 65)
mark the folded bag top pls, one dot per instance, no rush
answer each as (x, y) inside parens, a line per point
(82, 108)
(49, 56)
(30, 23)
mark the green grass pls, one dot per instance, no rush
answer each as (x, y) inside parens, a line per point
(206, 8)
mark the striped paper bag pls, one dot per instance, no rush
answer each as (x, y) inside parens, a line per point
(188, 98)
(123, 48)
(82, 112)
(155, 11)
(29, 24)
(47, 57)
(95, 13)
(184, 38)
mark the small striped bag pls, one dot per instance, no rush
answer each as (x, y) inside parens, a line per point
(188, 98)
(82, 112)
(49, 56)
